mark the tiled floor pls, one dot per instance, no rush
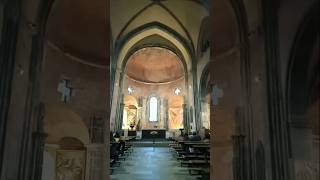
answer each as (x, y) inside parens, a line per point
(148, 163)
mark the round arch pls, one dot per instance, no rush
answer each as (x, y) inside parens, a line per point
(302, 91)
(61, 122)
(128, 43)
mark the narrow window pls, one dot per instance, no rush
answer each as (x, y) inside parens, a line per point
(153, 109)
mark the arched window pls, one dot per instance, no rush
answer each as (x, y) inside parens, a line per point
(153, 110)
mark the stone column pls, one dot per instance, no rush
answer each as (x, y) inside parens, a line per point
(161, 114)
(39, 140)
(96, 162)
(37, 144)
(203, 111)
(49, 162)
(278, 128)
(119, 114)
(120, 120)
(165, 113)
(143, 112)
(185, 118)
(239, 164)
(139, 111)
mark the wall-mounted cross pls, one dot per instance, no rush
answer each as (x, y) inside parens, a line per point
(177, 91)
(66, 90)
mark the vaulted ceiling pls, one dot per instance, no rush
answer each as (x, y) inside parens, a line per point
(154, 65)
(79, 28)
(183, 16)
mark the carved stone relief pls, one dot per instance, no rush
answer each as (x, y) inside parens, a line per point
(70, 165)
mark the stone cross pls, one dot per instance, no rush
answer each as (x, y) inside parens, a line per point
(66, 90)
(130, 90)
(177, 91)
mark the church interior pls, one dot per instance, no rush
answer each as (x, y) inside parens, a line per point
(159, 89)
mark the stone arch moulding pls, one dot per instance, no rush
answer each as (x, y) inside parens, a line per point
(300, 77)
(306, 27)
(66, 122)
(204, 77)
(204, 87)
(204, 37)
(124, 48)
(124, 45)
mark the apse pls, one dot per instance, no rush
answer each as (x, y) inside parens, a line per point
(154, 89)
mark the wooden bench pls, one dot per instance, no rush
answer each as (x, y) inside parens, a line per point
(198, 163)
(199, 170)
(193, 156)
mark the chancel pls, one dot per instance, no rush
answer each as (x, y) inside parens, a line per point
(156, 98)
(159, 89)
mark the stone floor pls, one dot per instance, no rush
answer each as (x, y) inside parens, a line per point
(151, 163)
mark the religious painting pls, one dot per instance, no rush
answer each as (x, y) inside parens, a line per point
(175, 118)
(70, 165)
(132, 116)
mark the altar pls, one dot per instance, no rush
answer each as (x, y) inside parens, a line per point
(146, 134)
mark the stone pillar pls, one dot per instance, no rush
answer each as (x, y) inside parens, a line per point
(119, 113)
(143, 113)
(186, 123)
(37, 144)
(120, 120)
(165, 114)
(239, 164)
(96, 162)
(9, 35)
(279, 145)
(203, 112)
(139, 111)
(39, 140)
(49, 162)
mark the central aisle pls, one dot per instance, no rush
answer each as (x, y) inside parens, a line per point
(148, 163)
